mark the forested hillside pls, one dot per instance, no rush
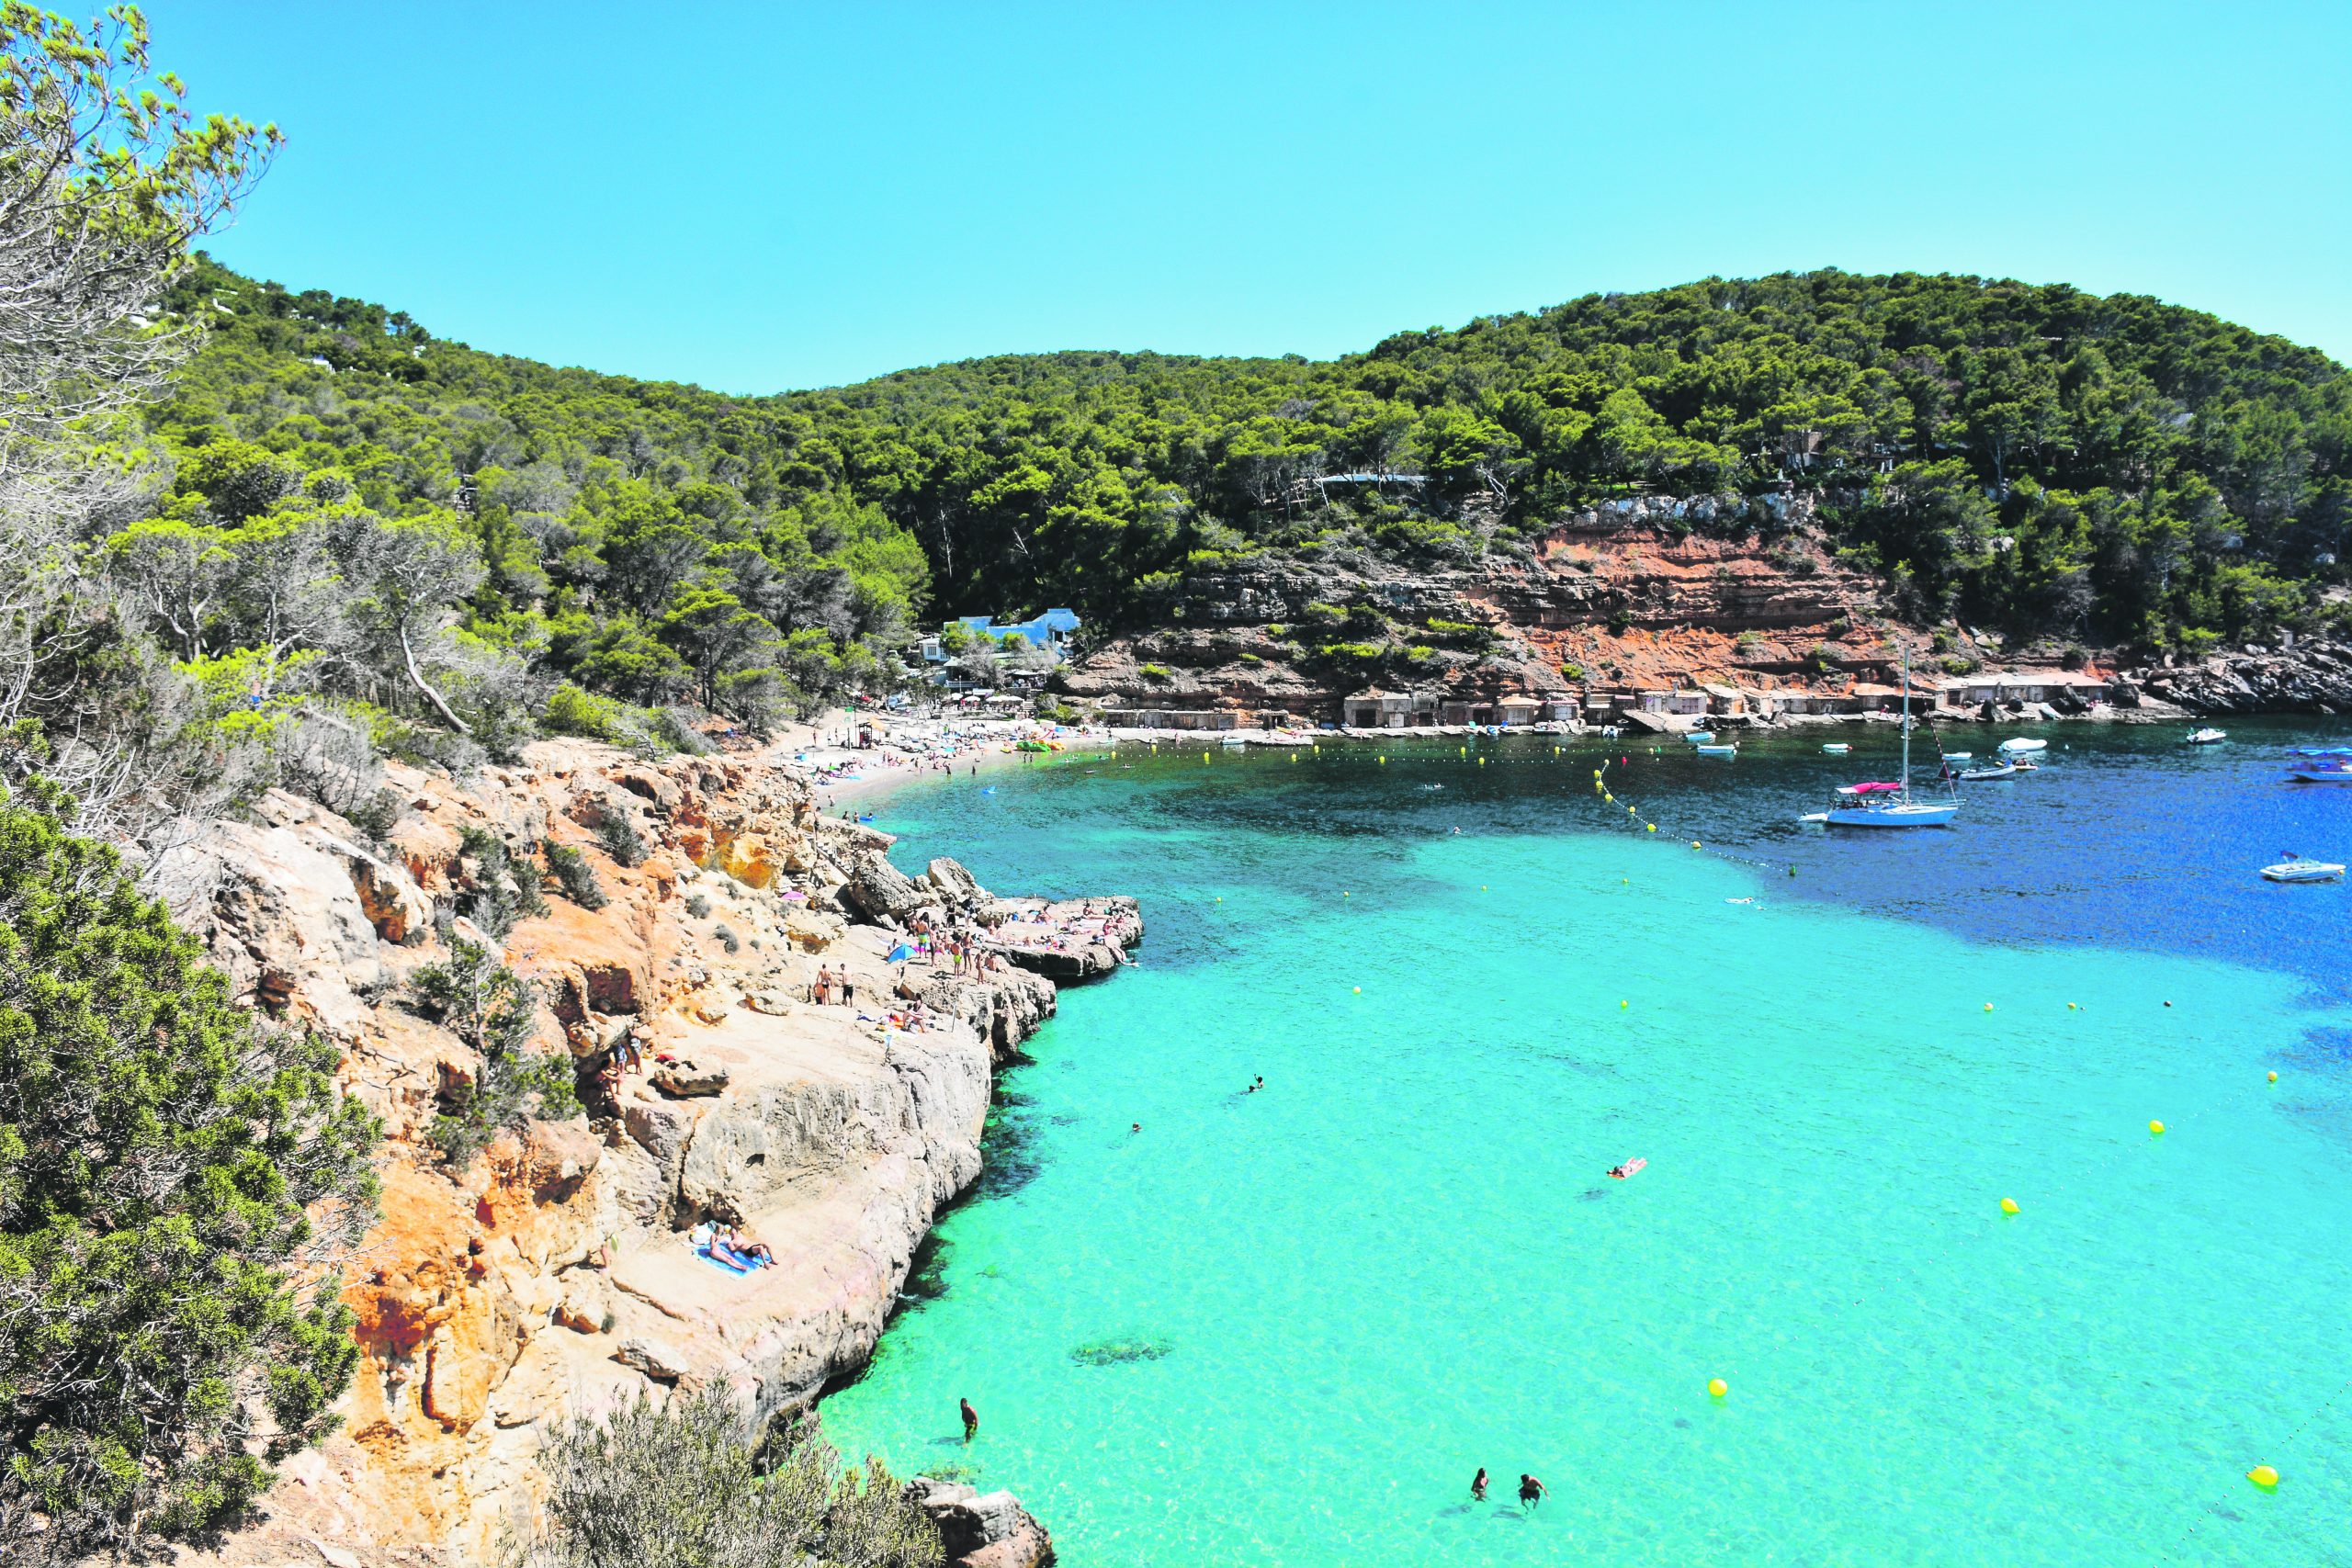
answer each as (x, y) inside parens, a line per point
(2030, 457)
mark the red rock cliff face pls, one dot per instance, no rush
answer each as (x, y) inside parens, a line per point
(551, 1276)
(1647, 592)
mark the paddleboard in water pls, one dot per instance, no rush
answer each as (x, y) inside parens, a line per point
(1628, 1168)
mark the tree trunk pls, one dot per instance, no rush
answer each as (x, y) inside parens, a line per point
(417, 678)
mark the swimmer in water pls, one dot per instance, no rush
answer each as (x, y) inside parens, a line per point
(1478, 1484)
(1134, 1127)
(1530, 1491)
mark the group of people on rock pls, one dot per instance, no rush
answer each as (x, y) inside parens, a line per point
(831, 985)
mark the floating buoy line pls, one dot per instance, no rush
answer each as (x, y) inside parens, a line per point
(2264, 1476)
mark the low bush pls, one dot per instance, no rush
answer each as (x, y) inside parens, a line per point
(573, 874)
(689, 1481)
(492, 1009)
(504, 890)
(618, 837)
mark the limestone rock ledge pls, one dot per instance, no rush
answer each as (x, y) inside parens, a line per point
(554, 1276)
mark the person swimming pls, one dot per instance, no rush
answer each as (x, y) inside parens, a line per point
(1618, 1171)
(971, 1418)
(1478, 1484)
(1530, 1491)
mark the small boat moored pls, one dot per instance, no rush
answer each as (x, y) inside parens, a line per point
(2207, 736)
(1836, 747)
(1998, 770)
(2320, 764)
(2294, 868)
(2017, 745)
(1716, 751)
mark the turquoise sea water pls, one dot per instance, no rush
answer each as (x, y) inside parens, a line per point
(1286, 1328)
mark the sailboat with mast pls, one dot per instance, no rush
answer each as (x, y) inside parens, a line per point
(1890, 804)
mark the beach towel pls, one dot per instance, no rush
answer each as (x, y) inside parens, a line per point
(717, 1257)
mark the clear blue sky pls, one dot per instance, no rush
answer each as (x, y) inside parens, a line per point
(760, 198)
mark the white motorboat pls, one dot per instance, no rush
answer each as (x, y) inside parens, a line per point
(1960, 756)
(1716, 751)
(2017, 745)
(1698, 736)
(2294, 868)
(2207, 736)
(1836, 747)
(1998, 770)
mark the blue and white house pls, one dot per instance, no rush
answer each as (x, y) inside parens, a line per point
(1049, 632)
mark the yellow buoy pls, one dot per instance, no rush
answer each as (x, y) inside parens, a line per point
(1651, 826)
(1631, 812)
(1988, 1007)
(1482, 761)
(1205, 756)
(1694, 843)
(2155, 1126)
(2263, 1476)
(1346, 895)
(1359, 990)
(1717, 1387)
(1624, 1004)
(2274, 1078)
(2070, 1006)
(2008, 1205)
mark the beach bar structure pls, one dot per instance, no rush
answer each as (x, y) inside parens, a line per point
(1173, 718)
(1050, 632)
(2016, 688)
(1373, 708)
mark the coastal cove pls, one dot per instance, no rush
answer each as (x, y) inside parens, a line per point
(1286, 1327)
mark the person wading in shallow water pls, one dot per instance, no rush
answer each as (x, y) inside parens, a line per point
(1478, 1484)
(971, 1418)
(1530, 1491)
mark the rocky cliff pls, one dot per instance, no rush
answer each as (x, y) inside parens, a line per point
(553, 1274)
(2310, 677)
(1645, 591)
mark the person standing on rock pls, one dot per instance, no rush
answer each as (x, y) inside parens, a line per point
(971, 1419)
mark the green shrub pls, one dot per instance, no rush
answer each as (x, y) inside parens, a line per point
(173, 1173)
(688, 1480)
(573, 874)
(620, 837)
(697, 905)
(504, 890)
(572, 711)
(726, 938)
(1152, 672)
(377, 815)
(490, 1008)
(672, 728)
